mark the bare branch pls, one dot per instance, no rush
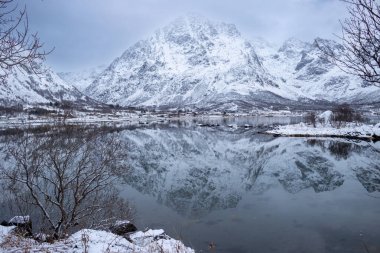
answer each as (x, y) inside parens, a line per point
(360, 40)
(19, 49)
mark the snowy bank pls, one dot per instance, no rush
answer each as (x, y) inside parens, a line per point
(351, 130)
(94, 241)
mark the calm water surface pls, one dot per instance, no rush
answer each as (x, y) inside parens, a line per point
(243, 191)
(247, 192)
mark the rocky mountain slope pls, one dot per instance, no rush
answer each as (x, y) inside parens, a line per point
(25, 87)
(197, 63)
(301, 67)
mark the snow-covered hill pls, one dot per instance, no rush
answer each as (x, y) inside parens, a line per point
(25, 87)
(197, 63)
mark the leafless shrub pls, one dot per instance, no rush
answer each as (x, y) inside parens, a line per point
(67, 177)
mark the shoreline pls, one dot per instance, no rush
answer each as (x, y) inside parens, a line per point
(125, 119)
(351, 131)
(370, 138)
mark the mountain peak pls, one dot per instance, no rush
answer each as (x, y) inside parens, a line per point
(190, 61)
(263, 47)
(293, 47)
(332, 44)
(197, 27)
(293, 41)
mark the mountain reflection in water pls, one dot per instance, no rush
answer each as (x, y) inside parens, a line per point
(237, 187)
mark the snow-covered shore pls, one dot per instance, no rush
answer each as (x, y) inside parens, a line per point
(350, 130)
(124, 118)
(95, 241)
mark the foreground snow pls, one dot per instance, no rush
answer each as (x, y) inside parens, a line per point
(350, 130)
(94, 241)
(4, 233)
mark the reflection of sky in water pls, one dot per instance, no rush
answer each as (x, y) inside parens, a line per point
(247, 191)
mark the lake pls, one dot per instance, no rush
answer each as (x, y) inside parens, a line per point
(242, 191)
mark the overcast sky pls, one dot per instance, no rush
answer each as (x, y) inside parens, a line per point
(88, 33)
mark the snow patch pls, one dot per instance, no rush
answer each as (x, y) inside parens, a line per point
(20, 219)
(94, 241)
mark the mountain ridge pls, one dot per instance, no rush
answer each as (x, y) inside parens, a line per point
(23, 87)
(187, 63)
(197, 63)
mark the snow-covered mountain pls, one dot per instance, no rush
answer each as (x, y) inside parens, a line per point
(83, 78)
(195, 62)
(201, 64)
(192, 62)
(25, 87)
(300, 67)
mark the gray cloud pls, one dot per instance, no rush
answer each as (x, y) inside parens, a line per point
(92, 32)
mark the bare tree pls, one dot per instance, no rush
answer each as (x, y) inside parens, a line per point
(67, 177)
(360, 39)
(18, 47)
(343, 114)
(311, 118)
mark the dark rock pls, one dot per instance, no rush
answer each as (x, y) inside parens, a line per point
(5, 223)
(123, 228)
